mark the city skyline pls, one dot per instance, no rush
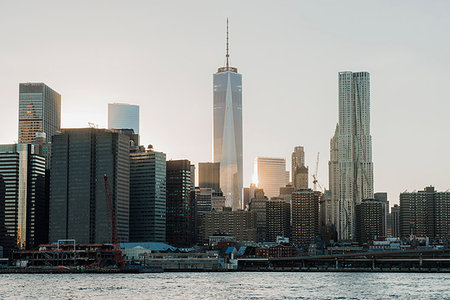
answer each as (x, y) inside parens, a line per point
(270, 128)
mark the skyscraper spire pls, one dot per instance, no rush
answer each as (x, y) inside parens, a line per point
(227, 56)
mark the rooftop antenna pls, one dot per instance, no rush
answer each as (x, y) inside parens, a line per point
(227, 56)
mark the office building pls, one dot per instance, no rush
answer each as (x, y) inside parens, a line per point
(355, 148)
(209, 175)
(258, 205)
(383, 198)
(23, 202)
(123, 116)
(227, 132)
(39, 111)
(305, 217)
(180, 210)
(271, 175)
(299, 170)
(425, 214)
(78, 202)
(148, 196)
(241, 224)
(278, 218)
(370, 220)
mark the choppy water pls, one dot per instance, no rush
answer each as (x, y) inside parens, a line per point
(241, 285)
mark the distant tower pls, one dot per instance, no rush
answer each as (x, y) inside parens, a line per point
(123, 116)
(299, 171)
(333, 177)
(39, 111)
(355, 148)
(271, 175)
(227, 131)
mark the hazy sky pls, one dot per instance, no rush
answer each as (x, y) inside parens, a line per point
(161, 55)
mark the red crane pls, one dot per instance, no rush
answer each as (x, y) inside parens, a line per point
(115, 238)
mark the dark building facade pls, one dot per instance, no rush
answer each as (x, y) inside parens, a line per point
(394, 221)
(209, 175)
(258, 205)
(23, 201)
(202, 203)
(278, 216)
(383, 198)
(78, 206)
(425, 213)
(369, 220)
(148, 196)
(39, 111)
(305, 217)
(180, 209)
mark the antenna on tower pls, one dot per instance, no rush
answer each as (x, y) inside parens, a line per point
(227, 56)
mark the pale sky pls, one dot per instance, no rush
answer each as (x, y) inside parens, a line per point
(161, 56)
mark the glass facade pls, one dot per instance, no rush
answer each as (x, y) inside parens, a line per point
(227, 118)
(78, 207)
(23, 202)
(148, 196)
(123, 116)
(39, 111)
(179, 204)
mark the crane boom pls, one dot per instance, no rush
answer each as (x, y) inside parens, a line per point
(112, 215)
(316, 172)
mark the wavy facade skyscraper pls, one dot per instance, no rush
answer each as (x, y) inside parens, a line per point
(355, 148)
(227, 139)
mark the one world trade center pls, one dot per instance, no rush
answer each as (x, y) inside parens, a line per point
(227, 133)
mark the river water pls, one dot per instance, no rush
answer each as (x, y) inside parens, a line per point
(242, 285)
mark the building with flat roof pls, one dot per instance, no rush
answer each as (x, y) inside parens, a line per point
(148, 196)
(271, 174)
(123, 116)
(180, 209)
(81, 157)
(39, 111)
(278, 219)
(370, 220)
(305, 217)
(209, 175)
(425, 213)
(241, 224)
(23, 201)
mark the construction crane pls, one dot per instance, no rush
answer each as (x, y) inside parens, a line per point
(315, 181)
(112, 215)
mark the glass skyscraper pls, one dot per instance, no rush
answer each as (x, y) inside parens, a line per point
(123, 116)
(78, 207)
(148, 196)
(39, 111)
(227, 139)
(271, 174)
(355, 148)
(23, 203)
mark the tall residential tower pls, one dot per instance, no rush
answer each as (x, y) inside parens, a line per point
(227, 131)
(355, 148)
